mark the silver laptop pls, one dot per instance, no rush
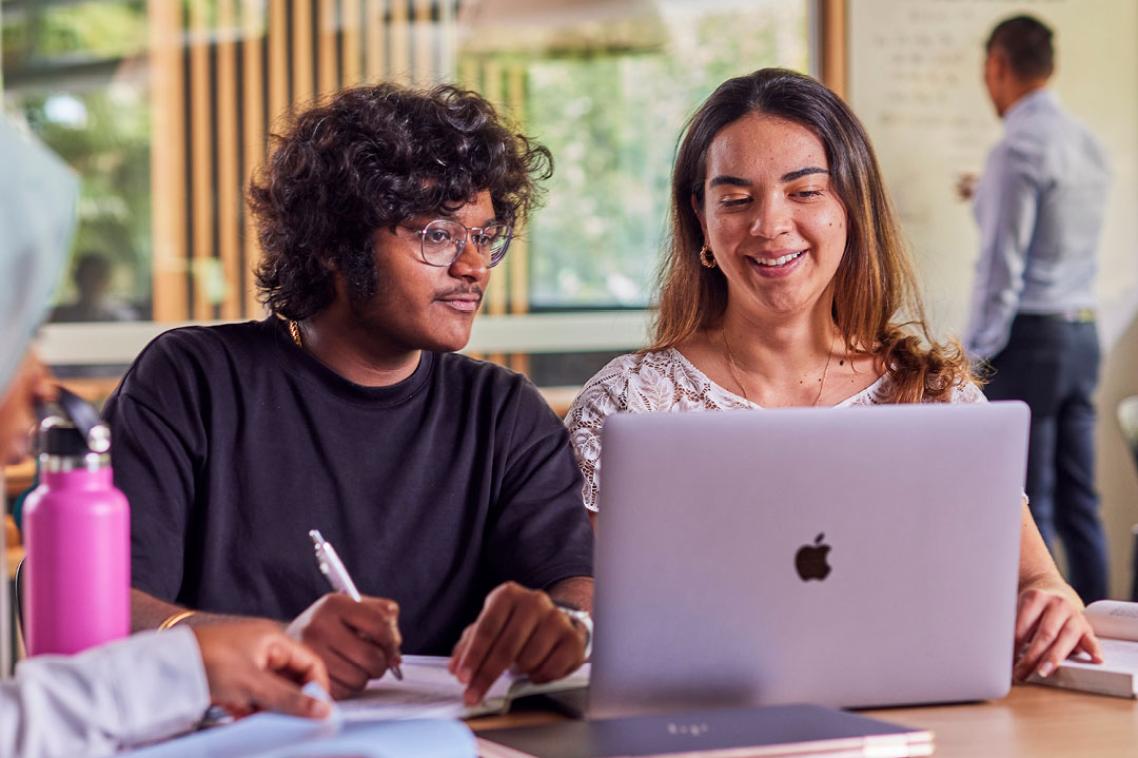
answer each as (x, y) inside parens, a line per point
(848, 557)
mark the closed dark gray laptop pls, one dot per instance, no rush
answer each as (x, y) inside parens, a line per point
(847, 557)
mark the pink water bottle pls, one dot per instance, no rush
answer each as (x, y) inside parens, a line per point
(76, 591)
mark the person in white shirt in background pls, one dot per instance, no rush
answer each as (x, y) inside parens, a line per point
(151, 685)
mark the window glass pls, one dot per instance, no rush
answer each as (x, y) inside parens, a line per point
(75, 73)
(612, 120)
(165, 110)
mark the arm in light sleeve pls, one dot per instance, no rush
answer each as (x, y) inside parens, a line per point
(967, 393)
(585, 419)
(1007, 205)
(126, 693)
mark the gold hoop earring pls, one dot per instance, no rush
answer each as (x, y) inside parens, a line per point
(706, 257)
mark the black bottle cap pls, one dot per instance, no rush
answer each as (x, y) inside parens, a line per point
(85, 418)
(77, 431)
(59, 438)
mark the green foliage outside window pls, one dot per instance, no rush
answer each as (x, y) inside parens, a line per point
(75, 70)
(39, 31)
(69, 73)
(612, 122)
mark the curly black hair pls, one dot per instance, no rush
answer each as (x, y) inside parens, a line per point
(368, 159)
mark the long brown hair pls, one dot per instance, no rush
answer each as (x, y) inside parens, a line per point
(877, 305)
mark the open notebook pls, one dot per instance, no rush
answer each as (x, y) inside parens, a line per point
(275, 735)
(1116, 624)
(428, 690)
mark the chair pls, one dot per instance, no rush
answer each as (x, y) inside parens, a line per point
(1128, 421)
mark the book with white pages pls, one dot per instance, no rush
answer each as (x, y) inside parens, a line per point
(1116, 624)
(429, 690)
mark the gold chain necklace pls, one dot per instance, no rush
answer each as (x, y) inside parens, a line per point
(294, 330)
(733, 367)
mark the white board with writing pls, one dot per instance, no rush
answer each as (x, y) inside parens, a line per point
(915, 82)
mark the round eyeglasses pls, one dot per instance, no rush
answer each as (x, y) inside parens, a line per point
(444, 239)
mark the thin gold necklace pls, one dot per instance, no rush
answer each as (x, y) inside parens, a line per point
(294, 330)
(733, 367)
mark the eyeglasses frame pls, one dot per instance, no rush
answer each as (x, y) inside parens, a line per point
(468, 235)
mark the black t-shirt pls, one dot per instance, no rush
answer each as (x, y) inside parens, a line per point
(231, 443)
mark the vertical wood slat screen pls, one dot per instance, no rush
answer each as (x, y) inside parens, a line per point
(303, 87)
(329, 31)
(352, 61)
(167, 168)
(253, 112)
(224, 75)
(399, 35)
(425, 54)
(228, 157)
(201, 165)
(376, 48)
(519, 253)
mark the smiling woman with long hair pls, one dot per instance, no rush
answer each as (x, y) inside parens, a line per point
(876, 305)
(786, 283)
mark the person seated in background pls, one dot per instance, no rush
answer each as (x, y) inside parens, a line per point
(787, 284)
(144, 687)
(446, 484)
(92, 276)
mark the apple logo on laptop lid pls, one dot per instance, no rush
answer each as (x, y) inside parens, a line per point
(810, 560)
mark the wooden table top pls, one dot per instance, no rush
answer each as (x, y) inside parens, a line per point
(1040, 722)
(1031, 721)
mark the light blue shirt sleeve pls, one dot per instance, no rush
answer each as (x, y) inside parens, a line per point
(1040, 207)
(125, 693)
(1006, 210)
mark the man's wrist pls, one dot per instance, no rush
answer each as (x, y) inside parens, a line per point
(580, 619)
(174, 619)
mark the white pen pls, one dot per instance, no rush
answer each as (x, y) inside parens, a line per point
(333, 569)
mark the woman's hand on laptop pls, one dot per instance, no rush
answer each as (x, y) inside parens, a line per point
(518, 627)
(1050, 626)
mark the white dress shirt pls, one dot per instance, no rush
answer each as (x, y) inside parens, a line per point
(1040, 206)
(118, 695)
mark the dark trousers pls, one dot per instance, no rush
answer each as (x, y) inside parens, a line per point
(1052, 365)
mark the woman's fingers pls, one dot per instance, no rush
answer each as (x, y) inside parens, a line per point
(1030, 609)
(1049, 628)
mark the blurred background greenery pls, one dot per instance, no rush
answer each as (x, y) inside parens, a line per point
(608, 100)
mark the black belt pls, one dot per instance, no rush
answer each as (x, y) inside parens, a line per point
(1072, 316)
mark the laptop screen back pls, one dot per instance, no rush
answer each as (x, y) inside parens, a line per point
(848, 557)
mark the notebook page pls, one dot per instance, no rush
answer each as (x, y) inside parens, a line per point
(428, 690)
(1118, 655)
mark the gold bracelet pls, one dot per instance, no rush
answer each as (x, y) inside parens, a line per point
(175, 618)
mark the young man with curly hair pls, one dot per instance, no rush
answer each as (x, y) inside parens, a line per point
(446, 484)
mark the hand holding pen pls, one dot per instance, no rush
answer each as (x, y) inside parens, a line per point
(357, 636)
(333, 569)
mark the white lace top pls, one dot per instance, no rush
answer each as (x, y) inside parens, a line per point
(667, 381)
